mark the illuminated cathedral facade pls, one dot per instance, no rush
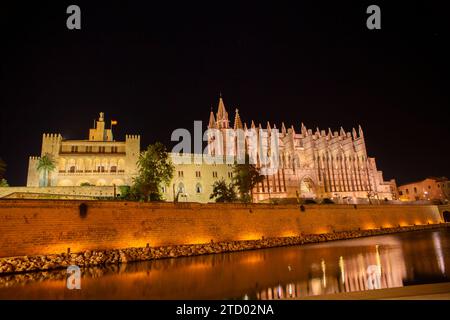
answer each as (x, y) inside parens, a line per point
(310, 164)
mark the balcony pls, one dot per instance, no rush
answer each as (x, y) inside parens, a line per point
(90, 172)
(90, 153)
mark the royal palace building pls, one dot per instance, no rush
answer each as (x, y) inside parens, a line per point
(100, 160)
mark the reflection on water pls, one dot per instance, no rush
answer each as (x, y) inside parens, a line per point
(288, 272)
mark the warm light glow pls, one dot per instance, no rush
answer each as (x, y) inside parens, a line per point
(439, 254)
(289, 234)
(324, 276)
(377, 256)
(199, 266)
(290, 290)
(250, 236)
(199, 241)
(342, 268)
(62, 248)
(321, 231)
(253, 259)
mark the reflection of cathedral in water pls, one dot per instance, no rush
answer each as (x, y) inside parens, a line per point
(395, 264)
(376, 269)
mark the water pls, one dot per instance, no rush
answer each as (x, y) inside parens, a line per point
(287, 272)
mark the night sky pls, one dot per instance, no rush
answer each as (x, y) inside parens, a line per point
(155, 68)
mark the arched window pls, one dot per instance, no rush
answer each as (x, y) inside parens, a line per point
(198, 188)
(180, 188)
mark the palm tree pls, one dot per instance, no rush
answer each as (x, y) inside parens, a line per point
(2, 168)
(46, 164)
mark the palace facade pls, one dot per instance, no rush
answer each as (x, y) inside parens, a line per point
(100, 160)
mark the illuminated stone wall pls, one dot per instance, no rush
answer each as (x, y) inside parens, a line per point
(46, 227)
(35, 192)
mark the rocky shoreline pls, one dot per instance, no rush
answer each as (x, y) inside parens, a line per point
(25, 264)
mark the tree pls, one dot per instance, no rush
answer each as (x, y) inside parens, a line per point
(128, 193)
(327, 201)
(223, 192)
(46, 164)
(245, 177)
(4, 183)
(2, 168)
(155, 170)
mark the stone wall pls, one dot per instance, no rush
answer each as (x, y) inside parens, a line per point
(33, 192)
(33, 227)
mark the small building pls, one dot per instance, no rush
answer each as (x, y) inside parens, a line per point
(194, 177)
(99, 160)
(429, 189)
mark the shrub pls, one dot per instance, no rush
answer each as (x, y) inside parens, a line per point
(327, 201)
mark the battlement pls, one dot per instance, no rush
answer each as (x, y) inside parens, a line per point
(56, 136)
(132, 137)
(34, 158)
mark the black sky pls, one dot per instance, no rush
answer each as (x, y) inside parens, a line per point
(156, 67)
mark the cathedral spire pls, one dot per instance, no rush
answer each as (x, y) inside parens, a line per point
(303, 130)
(253, 125)
(354, 134)
(237, 121)
(222, 115)
(342, 132)
(361, 134)
(212, 120)
(283, 128)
